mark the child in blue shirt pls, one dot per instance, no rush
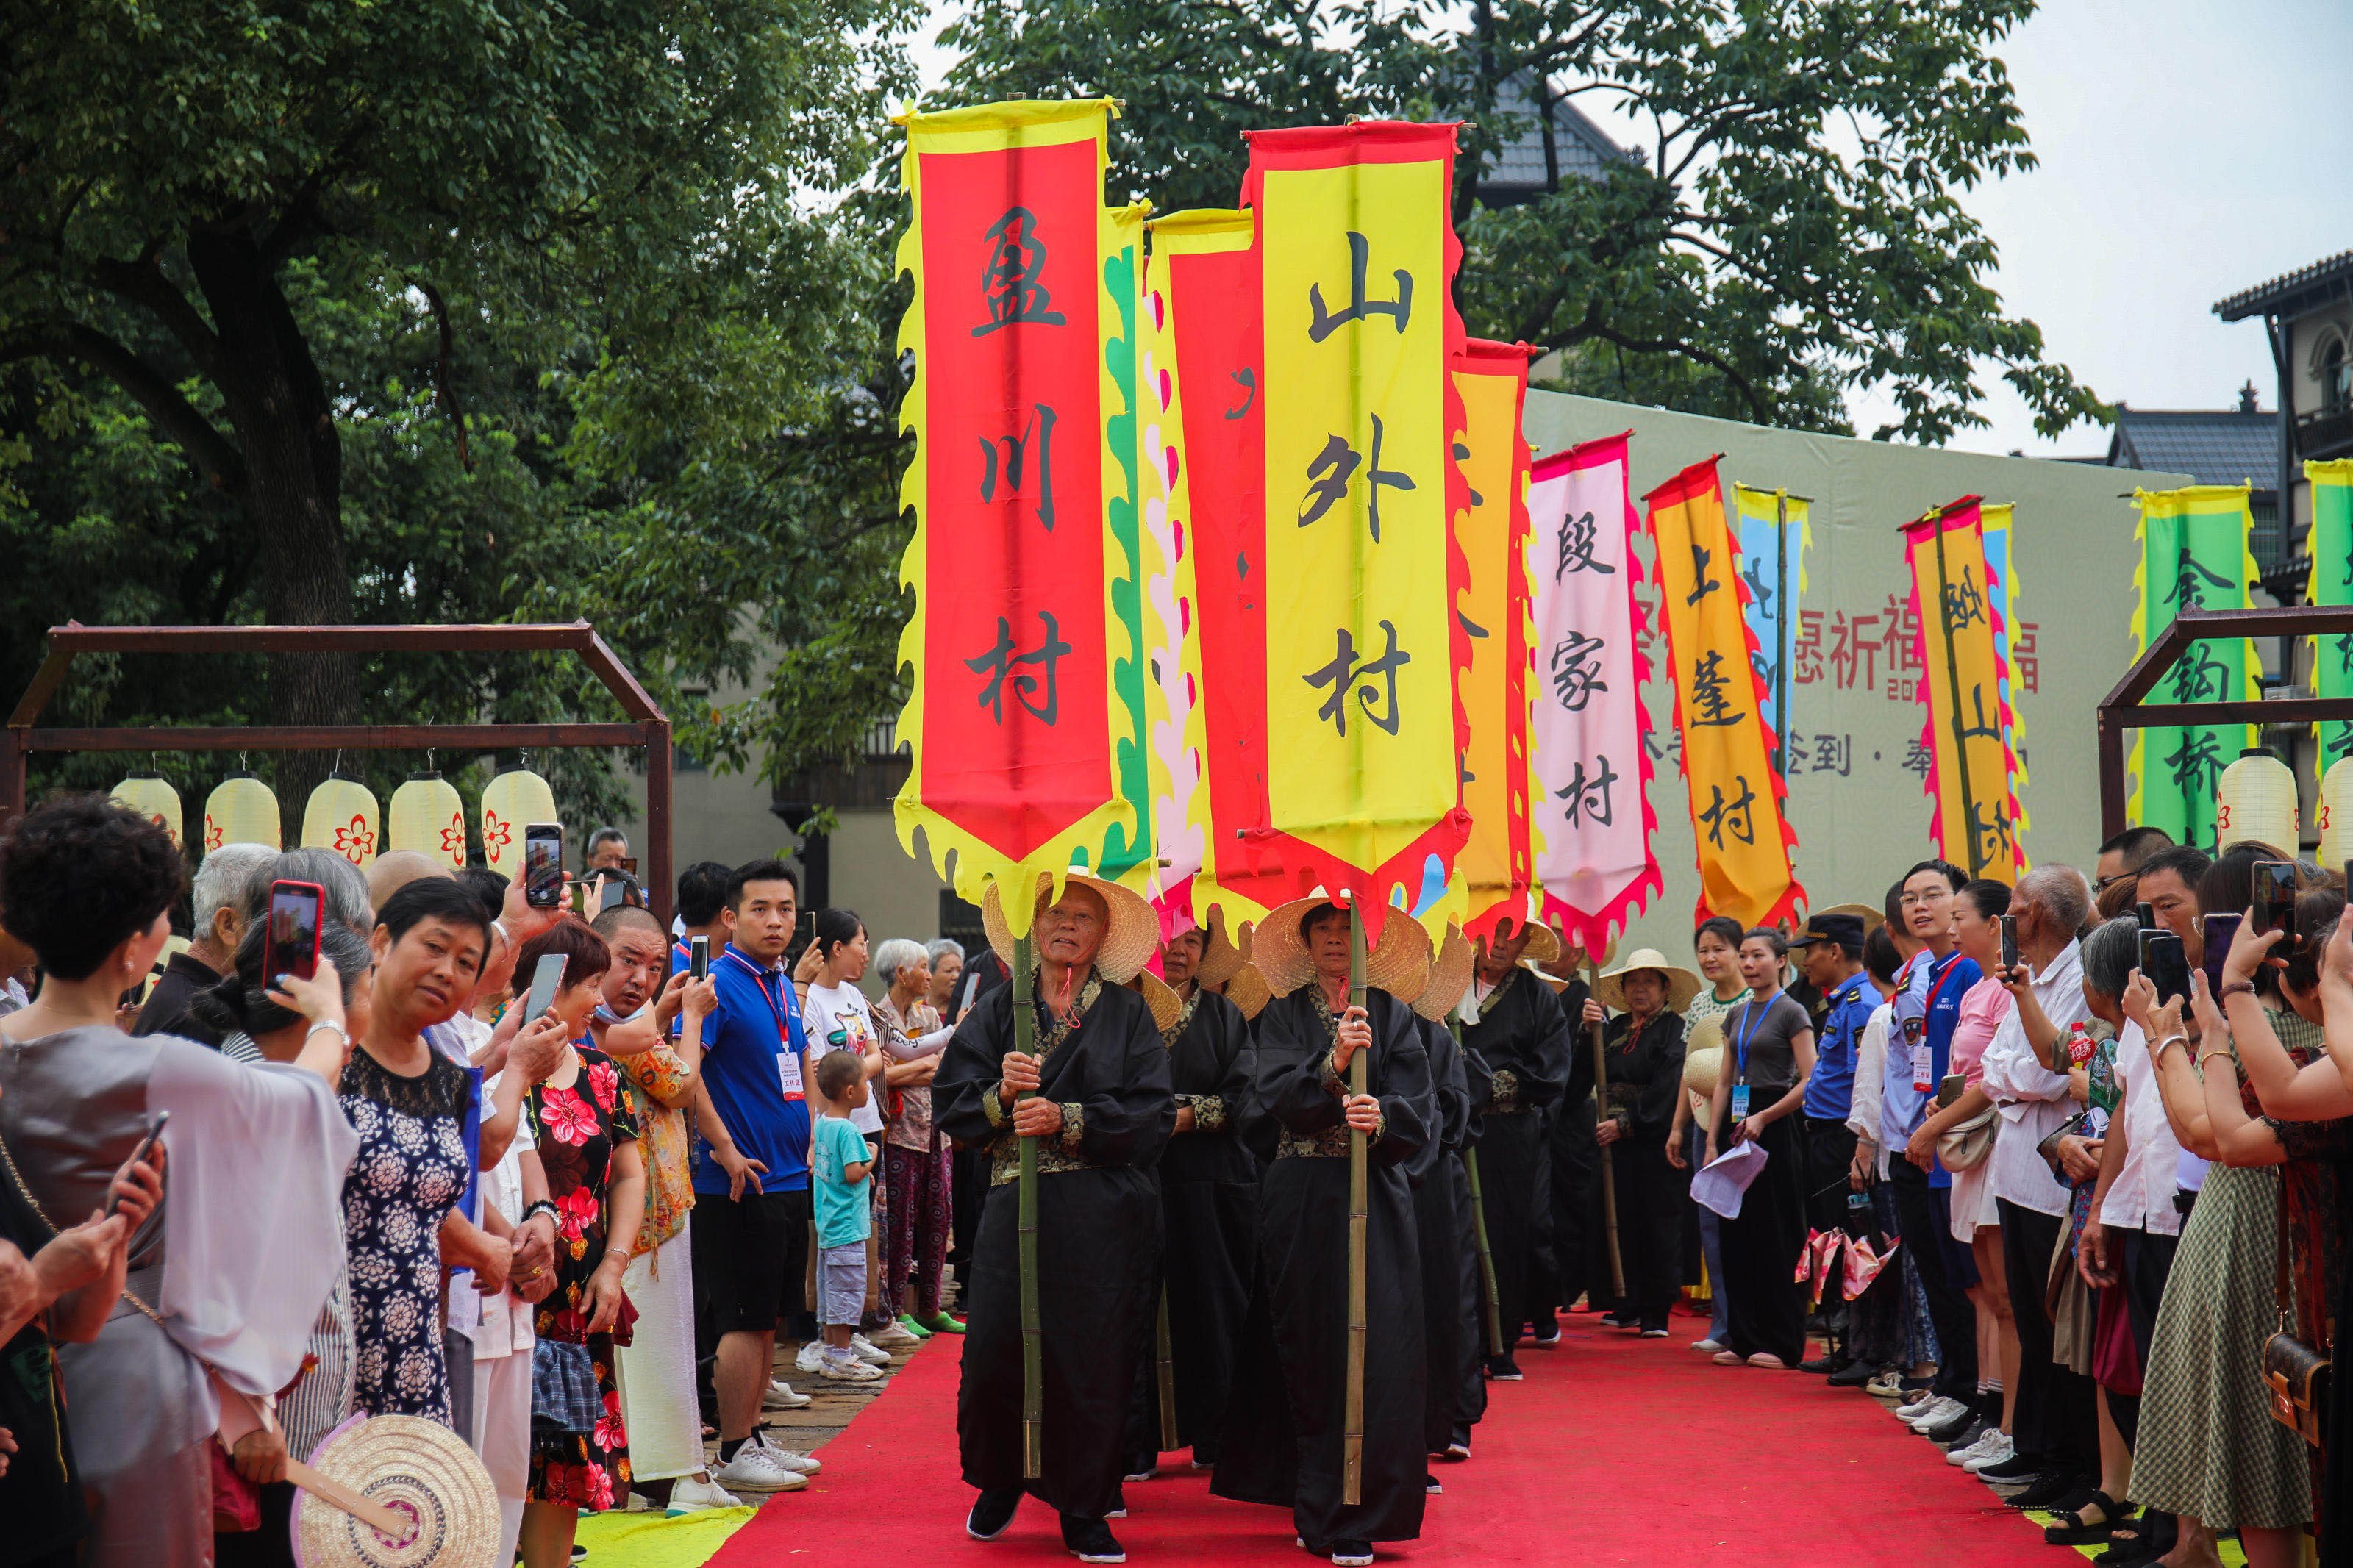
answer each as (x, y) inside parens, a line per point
(841, 1163)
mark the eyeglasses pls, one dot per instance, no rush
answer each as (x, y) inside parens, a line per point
(1913, 901)
(2105, 883)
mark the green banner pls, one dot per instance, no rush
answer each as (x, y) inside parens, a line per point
(2331, 547)
(2193, 552)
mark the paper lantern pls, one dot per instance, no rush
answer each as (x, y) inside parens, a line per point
(154, 798)
(240, 811)
(429, 816)
(341, 815)
(2337, 814)
(512, 801)
(2255, 799)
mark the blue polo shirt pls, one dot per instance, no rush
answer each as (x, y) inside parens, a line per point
(1830, 1092)
(1925, 1011)
(750, 1043)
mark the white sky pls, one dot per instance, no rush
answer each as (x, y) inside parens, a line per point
(2190, 149)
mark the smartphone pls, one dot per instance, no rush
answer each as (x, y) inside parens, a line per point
(542, 864)
(2146, 914)
(2219, 931)
(290, 943)
(1954, 1086)
(698, 958)
(545, 982)
(2009, 941)
(146, 1147)
(2273, 907)
(612, 894)
(2167, 964)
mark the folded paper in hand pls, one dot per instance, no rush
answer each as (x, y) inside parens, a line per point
(1719, 1183)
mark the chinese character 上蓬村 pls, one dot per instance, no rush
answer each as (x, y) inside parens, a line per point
(1589, 797)
(1344, 675)
(1737, 813)
(1399, 310)
(1710, 702)
(1009, 286)
(999, 660)
(1015, 452)
(1328, 477)
(1702, 584)
(1577, 671)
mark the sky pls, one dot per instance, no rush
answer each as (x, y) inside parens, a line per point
(2189, 149)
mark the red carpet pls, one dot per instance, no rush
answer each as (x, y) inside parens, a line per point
(1614, 1450)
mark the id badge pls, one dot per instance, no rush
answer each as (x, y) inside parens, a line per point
(1740, 1102)
(1924, 1056)
(788, 1069)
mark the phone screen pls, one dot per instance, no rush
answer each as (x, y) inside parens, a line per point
(2167, 964)
(146, 1147)
(2219, 931)
(542, 864)
(2273, 907)
(697, 960)
(293, 934)
(545, 981)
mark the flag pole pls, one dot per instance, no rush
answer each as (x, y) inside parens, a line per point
(1165, 1374)
(1352, 1465)
(1479, 1232)
(1033, 1368)
(1960, 735)
(1609, 1166)
(1781, 632)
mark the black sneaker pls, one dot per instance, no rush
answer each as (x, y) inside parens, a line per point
(1853, 1374)
(1975, 1430)
(1091, 1540)
(1820, 1366)
(1351, 1554)
(2016, 1470)
(991, 1513)
(1503, 1369)
(2044, 1492)
(1944, 1432)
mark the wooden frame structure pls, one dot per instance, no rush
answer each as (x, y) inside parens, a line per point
(2123, 709)
(648, 726)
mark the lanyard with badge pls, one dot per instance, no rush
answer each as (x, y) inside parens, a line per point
(1915, 1034)
(1750, 1017)
(789, 1060)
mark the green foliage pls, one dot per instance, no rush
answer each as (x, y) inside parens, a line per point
(1793, 230)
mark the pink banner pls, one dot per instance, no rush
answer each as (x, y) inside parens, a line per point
(1592, 805)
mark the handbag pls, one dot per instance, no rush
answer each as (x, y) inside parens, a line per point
(2294, 1374)
(1966, 1145)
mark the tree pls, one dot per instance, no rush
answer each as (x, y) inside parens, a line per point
(1791, 231)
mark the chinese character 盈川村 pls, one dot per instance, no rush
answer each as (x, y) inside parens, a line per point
(1579, 538)
(1577, 671)
(1344, 675)
(1589, 797)
(1710, 702)
(1016, 451)
(1328, 477)
(1963, 605)
(999, 660)
(1737, 813)
(1399, 310)
(1009, 288)
(1702, 584)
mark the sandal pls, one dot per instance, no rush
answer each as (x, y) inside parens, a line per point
(2077, 1527)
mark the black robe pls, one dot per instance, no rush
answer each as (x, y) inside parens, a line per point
(1523, 1036)
(1436, 1174)
(1579, 1245)
(1471, 1334)
(1208, 1201)
(1098, 1242)
(1645, 1076)
(1283, 1437)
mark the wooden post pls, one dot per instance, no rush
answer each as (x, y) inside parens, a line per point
(1164, 1367)
(1352, 1467)
(1033, 1364)
(1608, 1168)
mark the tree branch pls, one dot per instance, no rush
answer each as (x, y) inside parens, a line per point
(213, 454)
(142, 283)
(1758, 405)
(445, 380)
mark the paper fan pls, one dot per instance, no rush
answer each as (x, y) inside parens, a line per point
(240, 810)
(429, 816)
(512, 802)
(422, 1472)
(153, 798)
(341, 816)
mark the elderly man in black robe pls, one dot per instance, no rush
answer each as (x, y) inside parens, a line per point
(1101, 1114)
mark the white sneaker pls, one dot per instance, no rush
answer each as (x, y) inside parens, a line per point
(793, 1459)
(1912, 1410)
(781, 1395)
(1985, 1441)
(1937, 1415)
(1707, 1347)
(2000, 1452)
(812, 1356)
(867, 1350)
(893, 1334)
(688, 1495)
(849, 1370)
(756, 1468)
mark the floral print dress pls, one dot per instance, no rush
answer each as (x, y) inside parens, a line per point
(576, 1129)
(409, 1173)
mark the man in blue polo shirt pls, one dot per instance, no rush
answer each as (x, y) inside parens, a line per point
(1829, 954)
(751, 1168)
(1918, 1056)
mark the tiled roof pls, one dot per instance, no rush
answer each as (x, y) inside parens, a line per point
(2286, 287)
(1584, 149)
(2214, 448)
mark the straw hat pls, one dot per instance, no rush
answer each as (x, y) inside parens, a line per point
(1559, 982)
(1221, 958)
(1131, 938)
(415, 1467)
(1450, 976)
(1871, 918)
(1166, 1004)
(1246, 990)
(1399, 964)
(1682, 984)
(1704, 1056)
(1543, 946)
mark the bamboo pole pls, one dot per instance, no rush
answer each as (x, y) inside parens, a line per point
(1359, 1179)
(1165, 1366)
(1960, 734)
(1609, 1167)
(1479, 1234)
(1033, 1364)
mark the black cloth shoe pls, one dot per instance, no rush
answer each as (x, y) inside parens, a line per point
(1547, 1332)
(1430, 1484)
(1351, 1553)
(1091, 1540)
(1503, 1369)
(1853, 1374)
(2048, 1492)
(1969, 1435)
(991, 1513)
(1821, 1365)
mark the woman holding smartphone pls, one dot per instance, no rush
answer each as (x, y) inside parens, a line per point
(1768, 1054)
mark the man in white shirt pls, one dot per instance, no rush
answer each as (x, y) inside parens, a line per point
(2055, 1430)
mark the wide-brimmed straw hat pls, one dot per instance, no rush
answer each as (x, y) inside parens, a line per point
(1246, 990)
(1166, 1004)
(1450, 976)
(1543, 942)
(1704, 1055)
(1399, 964)
(1131, 936)
(1609, 990)
(1221, 957)
(417, 1467)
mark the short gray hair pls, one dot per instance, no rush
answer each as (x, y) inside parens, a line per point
(944, 945)
(347, 889)
(900, 952)
(2061, 893)
(221, 880)
(2110, 955)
